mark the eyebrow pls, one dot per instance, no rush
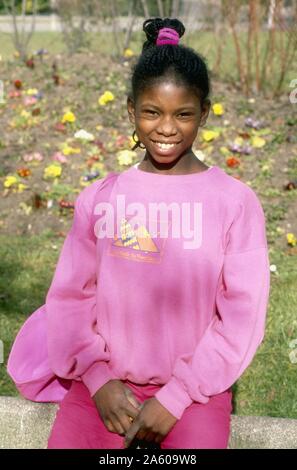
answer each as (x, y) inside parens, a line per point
(188, 107)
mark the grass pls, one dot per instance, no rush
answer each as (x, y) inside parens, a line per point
(27, 266)
(267, 388)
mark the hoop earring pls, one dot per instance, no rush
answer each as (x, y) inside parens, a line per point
(137, 142)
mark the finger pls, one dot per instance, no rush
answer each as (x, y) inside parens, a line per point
(109, 426)
(130, 435)
(131, 410)
(117, 426)
(132, 399)
(126, 422)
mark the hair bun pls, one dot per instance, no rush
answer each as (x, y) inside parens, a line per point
(152, 26)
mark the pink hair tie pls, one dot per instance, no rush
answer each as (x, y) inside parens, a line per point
(167, 36)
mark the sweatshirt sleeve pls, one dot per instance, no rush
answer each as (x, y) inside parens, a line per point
(75, 347)
(230, 342)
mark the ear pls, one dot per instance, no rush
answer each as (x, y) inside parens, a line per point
(131, 109)
(205, 108)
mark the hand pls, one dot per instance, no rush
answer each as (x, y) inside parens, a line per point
(153, 423)
(117, 406)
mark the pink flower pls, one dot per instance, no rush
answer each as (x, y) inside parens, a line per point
(15, 94)
(33, 156)
(30, 100)
(59, 157)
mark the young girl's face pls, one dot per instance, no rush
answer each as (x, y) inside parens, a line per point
(167, 118)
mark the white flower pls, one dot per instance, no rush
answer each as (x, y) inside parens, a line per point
(84, 135)
(125, 157)
(273, 268)
(200, 155)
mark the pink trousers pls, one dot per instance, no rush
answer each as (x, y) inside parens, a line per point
(78, 424)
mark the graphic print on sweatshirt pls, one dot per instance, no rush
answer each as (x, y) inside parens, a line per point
(136, 243)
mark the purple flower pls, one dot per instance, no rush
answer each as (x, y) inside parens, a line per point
(242, 149)
(253, 123)
(41, 52)
(91, 176)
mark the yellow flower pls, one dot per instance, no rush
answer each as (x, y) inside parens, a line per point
(52, 171)
(25, 114)
(128, 53)
(258, 142)
(265, 168)
(125, 157)
(105, 98)
(9, 181)
(27, 209)
(291, 239)
(218, 109)
(32, 91)
(209, 135)
(68, 117)
(21, 187)
(131, 142)
(224, 151)
(68, 150)
(238, 141)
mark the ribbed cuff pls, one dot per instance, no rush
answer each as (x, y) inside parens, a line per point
(96, 376)
(174, 397)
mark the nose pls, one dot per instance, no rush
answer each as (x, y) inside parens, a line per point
(167, 127)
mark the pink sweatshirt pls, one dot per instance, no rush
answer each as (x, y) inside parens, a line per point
(185, 309)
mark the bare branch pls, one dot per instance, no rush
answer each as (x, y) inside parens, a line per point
(113, 10)
(130, 23)
(34, 12)
(23, 14)
(160, 8)
(175, 8)
(145, 8)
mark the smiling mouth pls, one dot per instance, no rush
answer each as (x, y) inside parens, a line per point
(165, 146)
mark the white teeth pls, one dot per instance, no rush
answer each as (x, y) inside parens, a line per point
(165, 146)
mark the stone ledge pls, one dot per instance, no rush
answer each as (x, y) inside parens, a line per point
(26, 425)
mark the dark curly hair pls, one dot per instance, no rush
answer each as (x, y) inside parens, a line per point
(177, 63)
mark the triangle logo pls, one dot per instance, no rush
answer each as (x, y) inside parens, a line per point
(138, 239)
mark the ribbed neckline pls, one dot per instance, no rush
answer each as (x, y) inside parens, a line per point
(157, 177)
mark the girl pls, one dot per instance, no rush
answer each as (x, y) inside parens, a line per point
(156, 311)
